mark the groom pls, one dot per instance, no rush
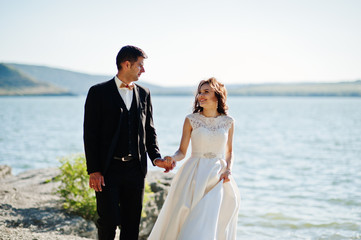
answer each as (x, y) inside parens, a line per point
(118, 135)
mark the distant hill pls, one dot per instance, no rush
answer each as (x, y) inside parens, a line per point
(19, 79)
(15, 82)
(340, 89)
(77, 83)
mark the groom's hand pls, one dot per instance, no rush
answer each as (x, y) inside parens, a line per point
(96, 181)
(163, 164)
(171, 162)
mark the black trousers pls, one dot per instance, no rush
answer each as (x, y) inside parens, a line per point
(120, 203)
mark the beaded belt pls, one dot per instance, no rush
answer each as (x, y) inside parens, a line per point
(207, 155)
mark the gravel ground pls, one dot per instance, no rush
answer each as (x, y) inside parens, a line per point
(30, 210)
(27, 234)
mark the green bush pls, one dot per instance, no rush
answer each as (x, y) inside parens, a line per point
(78, 197)
(147, 198)
(74, 187)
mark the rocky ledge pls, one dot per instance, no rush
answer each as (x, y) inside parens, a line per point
(29, 208)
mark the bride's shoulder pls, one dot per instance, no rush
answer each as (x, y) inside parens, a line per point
(227, 121)
(194, 120)
(228, 118)
(193, 116)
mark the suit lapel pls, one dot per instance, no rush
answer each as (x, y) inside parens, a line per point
(140, 128)
(117, 99)
(136, 98)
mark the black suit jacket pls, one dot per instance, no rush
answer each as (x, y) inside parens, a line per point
(103, 113)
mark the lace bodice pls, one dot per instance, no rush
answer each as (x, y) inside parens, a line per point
(209, 135)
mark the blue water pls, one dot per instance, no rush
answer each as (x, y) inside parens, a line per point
(297, 160)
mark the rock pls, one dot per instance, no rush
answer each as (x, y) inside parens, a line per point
(159, 183)
(29, 209)
(4, 171)
(25, 234)
(46, 219)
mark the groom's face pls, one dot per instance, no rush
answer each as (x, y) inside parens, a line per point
(137, 68)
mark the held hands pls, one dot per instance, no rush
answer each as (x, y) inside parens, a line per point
(171, 162)
(168, 163)
(225, 176)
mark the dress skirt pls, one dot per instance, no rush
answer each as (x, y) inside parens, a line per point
(199, 206)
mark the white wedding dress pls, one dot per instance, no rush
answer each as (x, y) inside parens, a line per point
(199, 206)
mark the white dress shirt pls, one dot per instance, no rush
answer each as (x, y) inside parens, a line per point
(125, 93)
(127, 96)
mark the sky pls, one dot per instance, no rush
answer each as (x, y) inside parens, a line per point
(236, 41)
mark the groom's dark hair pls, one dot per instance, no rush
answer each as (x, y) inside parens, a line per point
(129, 53)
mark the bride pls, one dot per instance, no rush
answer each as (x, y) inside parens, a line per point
(203, 201)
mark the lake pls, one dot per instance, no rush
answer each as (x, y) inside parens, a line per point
(297, 160)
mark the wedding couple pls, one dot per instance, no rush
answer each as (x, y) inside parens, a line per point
(203, 201)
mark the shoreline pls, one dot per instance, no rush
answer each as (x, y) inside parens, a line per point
(31, 210)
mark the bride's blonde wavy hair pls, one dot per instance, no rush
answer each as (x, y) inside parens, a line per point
(219, 90)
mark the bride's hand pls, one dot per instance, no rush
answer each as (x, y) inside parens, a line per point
(170, 161)
(167, 163)
(225, 176)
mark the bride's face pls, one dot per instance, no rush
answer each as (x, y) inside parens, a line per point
(206, 97)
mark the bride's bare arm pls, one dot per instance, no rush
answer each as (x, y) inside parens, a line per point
(229, 155)
(183, 146)
(229, 147)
